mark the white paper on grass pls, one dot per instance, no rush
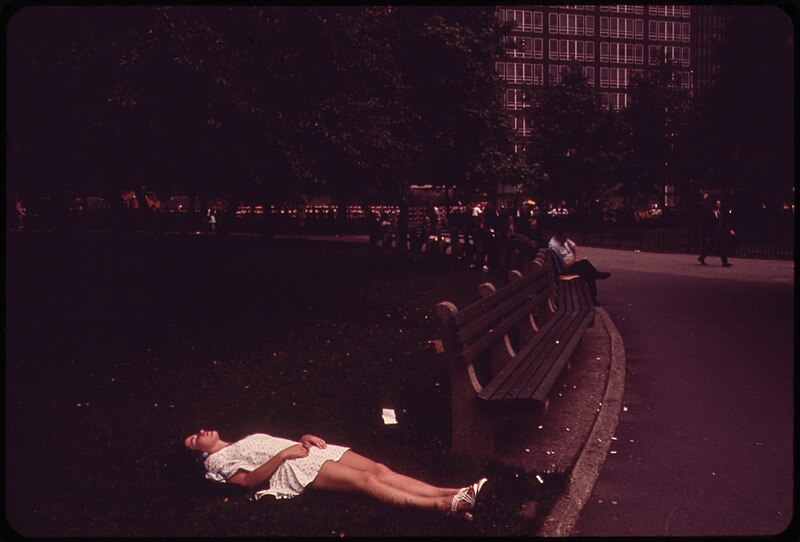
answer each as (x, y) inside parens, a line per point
(389, 417)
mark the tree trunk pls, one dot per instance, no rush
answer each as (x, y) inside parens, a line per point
(341, 216)
(144, 213)
(267, 222)
(115, 211)
(402, 230)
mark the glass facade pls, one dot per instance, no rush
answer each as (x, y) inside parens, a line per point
(612, 42)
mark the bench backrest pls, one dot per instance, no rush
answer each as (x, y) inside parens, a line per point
(473, 331)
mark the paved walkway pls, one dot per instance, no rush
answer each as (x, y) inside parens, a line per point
(705, 440)
(780, 271)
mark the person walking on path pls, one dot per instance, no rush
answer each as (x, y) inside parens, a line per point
(567, 262)
(717, 232)
(282, 468)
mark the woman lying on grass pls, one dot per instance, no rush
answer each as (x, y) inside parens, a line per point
(268, 465)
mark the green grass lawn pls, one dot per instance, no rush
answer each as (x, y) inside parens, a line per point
(116, 351)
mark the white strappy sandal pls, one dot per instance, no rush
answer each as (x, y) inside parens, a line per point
(468, 495)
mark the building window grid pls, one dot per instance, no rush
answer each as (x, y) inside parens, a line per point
(520, 125)
(670, 11)
(617, 77)
(587, 7)
(515, 99)
(669, 31)
(588, 73)
(522, 19)
(623, 8)
(621, 53)
(538, 22)
(673, 53)
(571, 25)
(571, 50)
(538, 74)
(515, 72)
(614, 100)
(621, 27)
(556, 71)
(519, 47)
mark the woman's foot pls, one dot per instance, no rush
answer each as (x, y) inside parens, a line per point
(464, 501)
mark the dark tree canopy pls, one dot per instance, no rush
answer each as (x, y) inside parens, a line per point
(255, 101)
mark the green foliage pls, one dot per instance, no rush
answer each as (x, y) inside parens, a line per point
(446, 55)
(573, 138)
(265, 101)
(659, 122)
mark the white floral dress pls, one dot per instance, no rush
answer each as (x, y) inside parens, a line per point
(249, 453)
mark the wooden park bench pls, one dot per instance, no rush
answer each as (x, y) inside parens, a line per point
(507, 349)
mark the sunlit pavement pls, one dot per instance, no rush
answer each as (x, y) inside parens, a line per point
(705, 439)
(687, 265)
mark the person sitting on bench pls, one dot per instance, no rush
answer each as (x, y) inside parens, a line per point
(567, 262)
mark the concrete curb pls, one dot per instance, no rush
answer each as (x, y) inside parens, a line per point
(567, 510)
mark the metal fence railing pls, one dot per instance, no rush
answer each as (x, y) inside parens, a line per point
(750, 241)
(754, 239)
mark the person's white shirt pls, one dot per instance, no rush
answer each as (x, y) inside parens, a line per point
(566, 249)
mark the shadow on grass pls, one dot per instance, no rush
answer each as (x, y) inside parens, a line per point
(115, 351)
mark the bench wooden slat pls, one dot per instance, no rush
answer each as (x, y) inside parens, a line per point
(564, 296)
(525, 380)
(537, 294)
(539, 387)
(509, 376)
(571, 321)
(493, 314)
(545, 384)
(580, 291)
(472, 351)
(484, 305)
(538, 383)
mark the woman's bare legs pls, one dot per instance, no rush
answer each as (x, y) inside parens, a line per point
(394, 479)
(336, 476)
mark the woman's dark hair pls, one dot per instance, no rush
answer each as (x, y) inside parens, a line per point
(185, 467)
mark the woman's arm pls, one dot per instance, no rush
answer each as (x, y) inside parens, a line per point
(256, 478)
(574, 249)
(311, 440)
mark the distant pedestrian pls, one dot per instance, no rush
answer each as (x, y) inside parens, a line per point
(565, 257)
(211, 221)
(527, 237)
(374, 228)
(717, 232)
(493, 224)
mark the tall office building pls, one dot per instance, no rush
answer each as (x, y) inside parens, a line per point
(611, 42)
(707, 33)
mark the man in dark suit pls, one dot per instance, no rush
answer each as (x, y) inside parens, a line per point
(717, 232)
